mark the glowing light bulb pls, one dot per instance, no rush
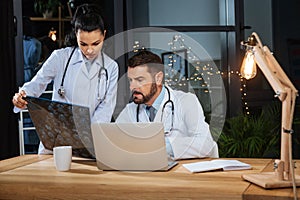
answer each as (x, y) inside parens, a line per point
(52, 34)
(53, 37)
(248, 68)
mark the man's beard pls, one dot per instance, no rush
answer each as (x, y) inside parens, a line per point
(145, 98)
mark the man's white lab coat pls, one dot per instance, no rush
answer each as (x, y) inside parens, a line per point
(190, 136)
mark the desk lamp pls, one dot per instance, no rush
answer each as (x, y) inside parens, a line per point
(258, 55)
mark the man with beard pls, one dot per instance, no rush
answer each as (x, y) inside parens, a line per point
(186, 132)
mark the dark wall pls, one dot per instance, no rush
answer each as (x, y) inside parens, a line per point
(9, 127)
(286, 34)
(286, 26)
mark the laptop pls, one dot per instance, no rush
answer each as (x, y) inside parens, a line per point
(131, 147)
(62, 124)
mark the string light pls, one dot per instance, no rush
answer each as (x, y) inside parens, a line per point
(243, 90)
(199, 69)
(174, 78)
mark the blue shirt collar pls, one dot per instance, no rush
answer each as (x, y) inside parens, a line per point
(156, 104)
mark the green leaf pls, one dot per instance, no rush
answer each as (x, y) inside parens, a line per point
(252, 135)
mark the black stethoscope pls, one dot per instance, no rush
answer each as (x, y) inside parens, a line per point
(163, 108)
(61, 90)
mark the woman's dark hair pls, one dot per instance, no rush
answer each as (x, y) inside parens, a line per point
(87, 17)
(145, 57)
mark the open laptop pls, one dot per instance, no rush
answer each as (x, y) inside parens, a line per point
(62, 124)
(131, 147)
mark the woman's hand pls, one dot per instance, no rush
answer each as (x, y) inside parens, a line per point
(18, 100)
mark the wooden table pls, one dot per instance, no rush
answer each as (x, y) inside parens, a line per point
(35, 177)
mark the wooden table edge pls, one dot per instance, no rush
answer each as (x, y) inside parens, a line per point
(15, 162)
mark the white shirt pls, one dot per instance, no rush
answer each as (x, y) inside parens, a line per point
(81, 86)
(190, 136)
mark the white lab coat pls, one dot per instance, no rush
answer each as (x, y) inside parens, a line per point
(81, 85)
(190, 136)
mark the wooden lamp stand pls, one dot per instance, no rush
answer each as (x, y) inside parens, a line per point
(286, 92)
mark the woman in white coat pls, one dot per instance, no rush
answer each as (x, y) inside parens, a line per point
(82, 73)
(187, 133)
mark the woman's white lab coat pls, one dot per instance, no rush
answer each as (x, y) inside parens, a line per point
(190, 136)
(80, 85)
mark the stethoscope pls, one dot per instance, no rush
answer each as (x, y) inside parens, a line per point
(163, 108)
(61, 90)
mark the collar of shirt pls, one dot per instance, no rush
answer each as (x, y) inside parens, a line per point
(79, 57)
(156, 104)
(90, 62)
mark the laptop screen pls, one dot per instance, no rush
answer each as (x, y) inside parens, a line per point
(60, 124)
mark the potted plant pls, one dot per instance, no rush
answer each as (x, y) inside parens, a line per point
(46, 7)
(252, 136)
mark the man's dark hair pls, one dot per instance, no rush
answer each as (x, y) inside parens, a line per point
(145, 57)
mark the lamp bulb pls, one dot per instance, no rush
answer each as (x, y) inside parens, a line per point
(53, 37)
(248, 68)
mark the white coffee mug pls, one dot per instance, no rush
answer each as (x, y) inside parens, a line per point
(62, 157)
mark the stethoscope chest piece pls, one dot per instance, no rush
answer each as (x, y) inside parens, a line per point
(61, 91)
(102, 72)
